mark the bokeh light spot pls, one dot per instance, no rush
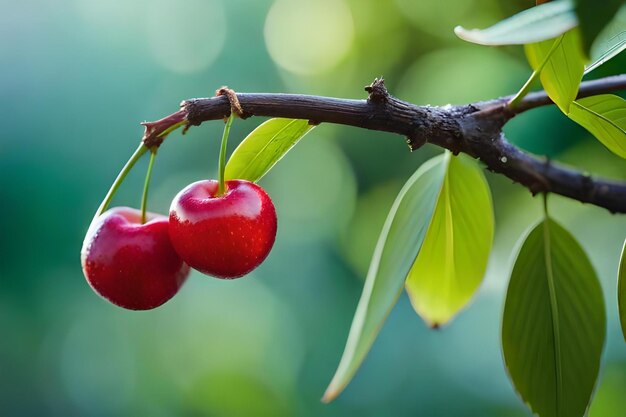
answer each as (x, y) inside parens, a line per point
(461, 75)
(185, 37)
(308, 37)
(438, 18)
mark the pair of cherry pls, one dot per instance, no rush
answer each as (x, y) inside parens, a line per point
(140, 265)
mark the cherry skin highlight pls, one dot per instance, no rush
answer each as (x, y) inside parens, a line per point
(225, 236)
(130, 264)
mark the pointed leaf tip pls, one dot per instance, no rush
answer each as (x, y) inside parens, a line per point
(453, 259)
(330, 394)
(264, 147)
(399, 242)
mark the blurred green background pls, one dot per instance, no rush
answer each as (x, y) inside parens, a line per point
(77, 78)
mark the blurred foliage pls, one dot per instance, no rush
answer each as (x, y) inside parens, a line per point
(78, 76)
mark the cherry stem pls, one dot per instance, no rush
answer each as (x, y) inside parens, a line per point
(222, 167)
(120, 178)
(146, 185)
(142, 149)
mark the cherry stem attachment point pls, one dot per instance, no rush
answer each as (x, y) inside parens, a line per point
(222, 163)
(146, 185)
(156, 132)
(171, 129)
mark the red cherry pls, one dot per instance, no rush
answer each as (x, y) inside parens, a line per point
(132, 265)
(226, 236)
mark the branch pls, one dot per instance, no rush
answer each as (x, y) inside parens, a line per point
(475, 129)
(588, 88)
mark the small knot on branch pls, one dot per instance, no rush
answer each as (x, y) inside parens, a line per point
(235, 106)
(377, 91)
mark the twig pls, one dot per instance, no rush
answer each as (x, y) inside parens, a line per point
(474, 129)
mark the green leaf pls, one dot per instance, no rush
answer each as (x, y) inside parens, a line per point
(536, 24)
(453, 259)
(563, 70)
(264, 147)
(593, 17)
(621, 290)
(554, 323)
(610, 42)
(399, 242)
(604, 116)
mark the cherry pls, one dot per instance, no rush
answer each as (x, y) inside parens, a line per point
(133, 265)
(226, 235)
